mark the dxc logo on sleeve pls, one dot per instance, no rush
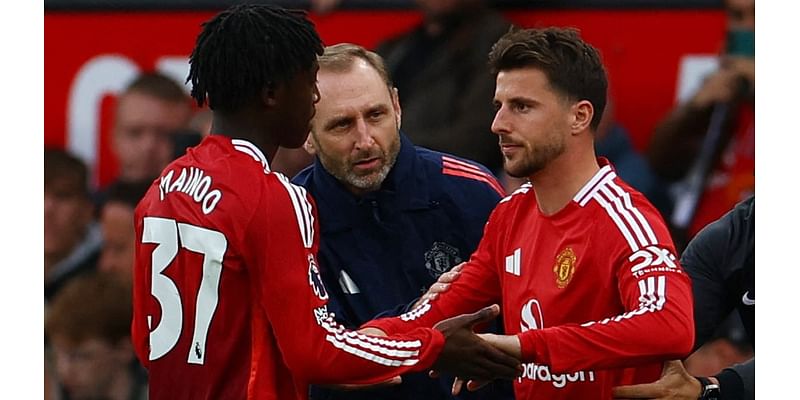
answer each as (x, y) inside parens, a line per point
(653, 259)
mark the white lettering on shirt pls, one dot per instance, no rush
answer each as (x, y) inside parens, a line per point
(537, 372)
(194, 183)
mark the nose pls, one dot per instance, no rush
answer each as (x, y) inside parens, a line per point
(364, 137)
(499, 124)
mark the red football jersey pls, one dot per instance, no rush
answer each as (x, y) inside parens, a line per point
(228, 301)
(594, 292)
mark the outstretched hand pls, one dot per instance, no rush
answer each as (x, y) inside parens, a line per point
(469, 357)
(441, 285)
(675, 384)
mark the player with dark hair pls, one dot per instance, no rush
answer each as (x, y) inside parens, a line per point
(228, 302)
(584, 265)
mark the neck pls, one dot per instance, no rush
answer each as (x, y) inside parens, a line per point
(562, 178)
(239, 126)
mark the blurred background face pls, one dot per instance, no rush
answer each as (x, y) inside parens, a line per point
(67, 213)
(532, 121)
(356, 129)
(118, 240)
(741, 14)
(142, 134)
(86, 370)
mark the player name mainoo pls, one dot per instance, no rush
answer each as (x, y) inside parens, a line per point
(193, 182)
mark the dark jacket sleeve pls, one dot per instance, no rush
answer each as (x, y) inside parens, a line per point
(738, 382)
(702, 260)
(719, 260)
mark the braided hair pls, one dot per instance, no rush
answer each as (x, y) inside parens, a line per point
(247, 48)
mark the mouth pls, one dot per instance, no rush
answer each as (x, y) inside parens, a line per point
(367, 164)
(509, 148)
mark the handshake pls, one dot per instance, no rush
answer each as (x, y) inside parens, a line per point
(476, 359)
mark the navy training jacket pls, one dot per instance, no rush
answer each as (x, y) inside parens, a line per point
(381, 251)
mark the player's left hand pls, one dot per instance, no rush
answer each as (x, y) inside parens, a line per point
(675, 384)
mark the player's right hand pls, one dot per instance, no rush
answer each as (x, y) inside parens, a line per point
(675, 384)
(469, 357)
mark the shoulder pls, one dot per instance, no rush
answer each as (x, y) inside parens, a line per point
(286, 205)
(305, 176)
(729, 238)
(460, 173)
(625, 213)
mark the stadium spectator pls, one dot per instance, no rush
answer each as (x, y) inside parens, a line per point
(148, 111)
(89, 329)
(116, 221)
(440, 70)
(228, 301)
(582, 262)
(415, 213)
(72, 238)
(707, 144)
(721, 263)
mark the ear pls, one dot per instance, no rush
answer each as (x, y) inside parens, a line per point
(309, 145)
(396, 105)
(269, 95)
(582, 113)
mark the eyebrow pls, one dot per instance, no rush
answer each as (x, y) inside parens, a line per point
(336, 121)
(378, 107)
(517, 100)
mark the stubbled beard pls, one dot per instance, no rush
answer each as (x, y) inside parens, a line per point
(537, 160)
(343, 170)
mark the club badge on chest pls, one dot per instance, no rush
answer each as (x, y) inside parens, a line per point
(564, 267)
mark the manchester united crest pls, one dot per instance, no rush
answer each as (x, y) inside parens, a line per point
(440, 258)
(565, 267)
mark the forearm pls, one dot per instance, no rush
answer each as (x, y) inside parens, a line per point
(649, 333)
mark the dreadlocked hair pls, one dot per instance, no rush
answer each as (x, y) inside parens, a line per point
(247, 48)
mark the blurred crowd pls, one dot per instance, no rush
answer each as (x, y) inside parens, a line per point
(699, 163)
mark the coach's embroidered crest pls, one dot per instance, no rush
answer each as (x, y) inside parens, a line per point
(440, 258)
(565, 267)
(315, 280)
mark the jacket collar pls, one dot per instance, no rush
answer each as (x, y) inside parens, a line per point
(403, 189)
